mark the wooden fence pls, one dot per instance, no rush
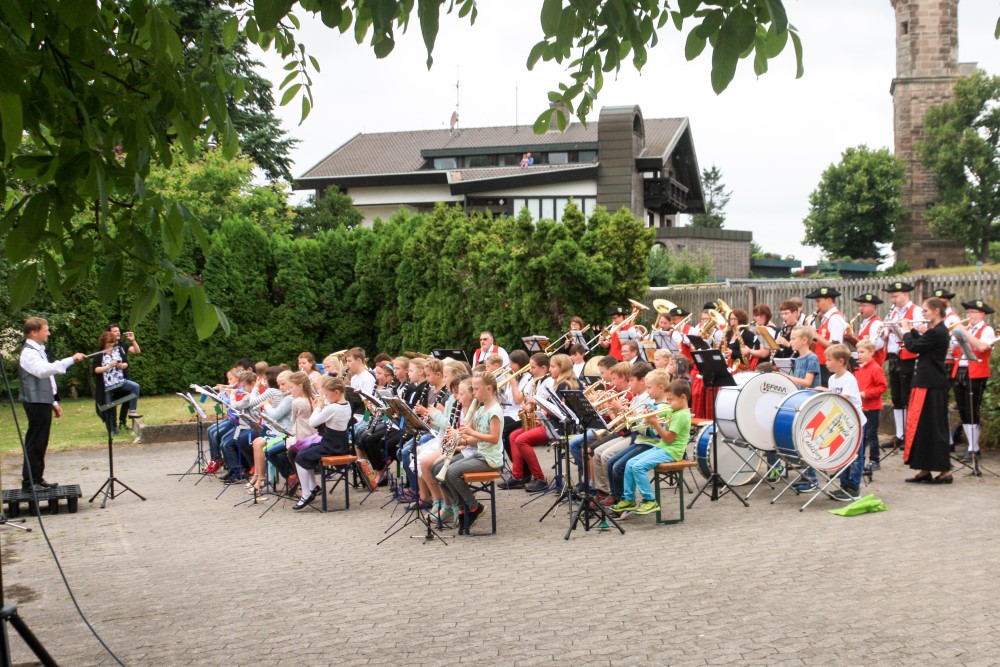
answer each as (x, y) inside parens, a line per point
(748, 293)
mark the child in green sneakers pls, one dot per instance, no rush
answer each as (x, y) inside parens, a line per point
(667, 428)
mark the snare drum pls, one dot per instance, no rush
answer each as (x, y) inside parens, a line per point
(738, 464)
(818, 429)
(746, 412)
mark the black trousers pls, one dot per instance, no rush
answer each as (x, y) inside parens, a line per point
(961, 387)
(36, 441)
(900, 376)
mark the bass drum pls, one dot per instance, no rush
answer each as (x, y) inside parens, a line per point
(738, 464)
(591, 368)
(818, 429)
(746, 412)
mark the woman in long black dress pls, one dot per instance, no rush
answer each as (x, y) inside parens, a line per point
(926, 447)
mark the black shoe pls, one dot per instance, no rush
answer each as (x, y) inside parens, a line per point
(921, 479)
(305, 500)
(966, 457)
(511, 483)
(535, 486)
(38, 488)
(944, 480)
(48, 485)
(474, 516)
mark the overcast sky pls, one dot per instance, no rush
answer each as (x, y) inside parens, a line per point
(772, 136)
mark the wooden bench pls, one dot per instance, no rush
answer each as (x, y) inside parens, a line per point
(481, 482)
(336, 468)
(671, 473)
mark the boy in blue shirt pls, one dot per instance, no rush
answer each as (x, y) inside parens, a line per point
(805, 374)
(667, 432)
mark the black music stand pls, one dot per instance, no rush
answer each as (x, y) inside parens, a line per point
(108, 488)
(199, 461)
(535, 344)
(562, 481)
(412, 423)
(587, 417)
(714, 373)
(450, 353)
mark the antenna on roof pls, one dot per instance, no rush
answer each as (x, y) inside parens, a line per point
(515, 106)
(454, 114)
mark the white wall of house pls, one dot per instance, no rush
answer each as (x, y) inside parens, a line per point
(575, 189)
(402, 194)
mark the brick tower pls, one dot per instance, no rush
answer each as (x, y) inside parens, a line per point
(926, 69)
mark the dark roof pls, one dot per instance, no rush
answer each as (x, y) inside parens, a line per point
(384, 153)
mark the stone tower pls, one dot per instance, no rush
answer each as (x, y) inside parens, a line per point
(926, 68)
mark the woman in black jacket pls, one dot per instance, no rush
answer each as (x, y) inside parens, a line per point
(926, 447)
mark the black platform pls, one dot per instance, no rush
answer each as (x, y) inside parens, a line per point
(14, 498)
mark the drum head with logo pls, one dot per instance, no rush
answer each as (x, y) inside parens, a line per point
(827, 431)
(758, 403)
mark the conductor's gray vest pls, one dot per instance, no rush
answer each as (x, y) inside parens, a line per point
(34, 389)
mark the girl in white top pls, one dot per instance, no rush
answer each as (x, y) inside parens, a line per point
(333, 414)
(448, 417)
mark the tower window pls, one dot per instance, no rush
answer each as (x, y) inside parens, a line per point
(905, 26)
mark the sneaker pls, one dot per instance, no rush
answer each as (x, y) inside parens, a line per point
(647, 507)
(511, 483)
(475, 514)
(607, 501)
(872, 466)
(623, 506)
(213, 467)
(622, 516)
(535, 485)
(843, 495)
(293, 481)
(804, 487)
(776, 473)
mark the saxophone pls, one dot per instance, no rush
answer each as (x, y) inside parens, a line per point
(529, 419)
(449, 445)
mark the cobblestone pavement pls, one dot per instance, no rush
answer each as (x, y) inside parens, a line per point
(188, 579)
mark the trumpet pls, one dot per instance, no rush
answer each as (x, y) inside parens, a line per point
(632, 420)
(503, 383)
(960, 323)
(606, 333)
(608, 399)
(617, 422)
(600, 385)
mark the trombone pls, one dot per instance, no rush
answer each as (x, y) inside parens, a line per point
(610, 331)
(558, 341)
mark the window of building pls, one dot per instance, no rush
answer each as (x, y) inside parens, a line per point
(509, 159)
(549, 209)
(559, 158)
(446, 163)
(481, 160)
(552, 208)
(587, 156)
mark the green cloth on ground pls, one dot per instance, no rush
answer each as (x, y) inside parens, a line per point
(861, 506)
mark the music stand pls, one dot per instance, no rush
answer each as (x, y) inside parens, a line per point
(765, 336)
(664, 341)
(578, 338)
(714, 373)
(108, 488)
(588, 418)
(452, 353)
(535, 344)
(199, 462)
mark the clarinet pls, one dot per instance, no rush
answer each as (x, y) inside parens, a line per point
(449, 445)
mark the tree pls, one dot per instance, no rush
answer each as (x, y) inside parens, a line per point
(200, 22)
(962, 150)
(97, 92)
(857, 204)
(716, 199)
(331, 211)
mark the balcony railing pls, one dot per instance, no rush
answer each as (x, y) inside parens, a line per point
(664, 195)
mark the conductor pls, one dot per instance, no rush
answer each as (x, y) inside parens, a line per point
(40, 396)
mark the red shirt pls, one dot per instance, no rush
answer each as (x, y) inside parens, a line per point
(871, 380)
(616, 345)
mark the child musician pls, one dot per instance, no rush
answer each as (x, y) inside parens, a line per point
(333, 412)
(666, 429)
(483, 432)
(838, 359)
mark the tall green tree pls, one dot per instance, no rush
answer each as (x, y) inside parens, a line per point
(962, 150)
(716, 200)
(857, 204)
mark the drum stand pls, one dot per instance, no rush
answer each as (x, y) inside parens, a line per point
(714, 375)
(830, 476)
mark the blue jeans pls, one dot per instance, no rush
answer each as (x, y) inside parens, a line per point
(230, 451)
(128, 387)
(277, 455)
(576, 449)
(216, 433)
(637, 472)
(616, 468)
(850, 476)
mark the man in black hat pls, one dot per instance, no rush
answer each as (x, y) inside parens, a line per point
(969, 376)
(614, 343)
(950, 317)
(871, 326)
(680, 331)
(900, 362)
(830, 326)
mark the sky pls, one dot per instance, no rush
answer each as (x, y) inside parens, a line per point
(771, 136)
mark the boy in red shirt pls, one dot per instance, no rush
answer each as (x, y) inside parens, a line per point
(872, 383)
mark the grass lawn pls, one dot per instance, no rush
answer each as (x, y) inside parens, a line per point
(80, 427)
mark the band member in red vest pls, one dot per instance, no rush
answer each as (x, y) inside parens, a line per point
(486, 348)
(899, 362)
(969, 376)
(614, 343)
(871, 326)
(830, 326)
(681, 331)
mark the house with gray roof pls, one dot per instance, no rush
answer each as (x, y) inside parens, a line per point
(647, 165)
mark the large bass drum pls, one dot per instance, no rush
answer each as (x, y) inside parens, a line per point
(746, 412)
(738, 464)
(591, 368)
(818, 429)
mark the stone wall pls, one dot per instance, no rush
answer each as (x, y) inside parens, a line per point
(728, 249)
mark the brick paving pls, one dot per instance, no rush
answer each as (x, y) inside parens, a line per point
(185, 579)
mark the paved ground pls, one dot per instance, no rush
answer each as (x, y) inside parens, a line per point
(186, 579)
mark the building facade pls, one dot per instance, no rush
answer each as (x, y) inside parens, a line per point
(926, 69)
